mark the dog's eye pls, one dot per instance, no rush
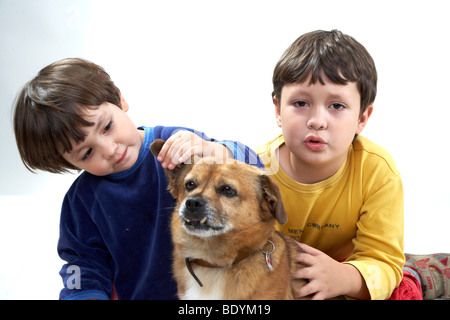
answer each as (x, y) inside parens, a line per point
(228, 191)
(190, 185)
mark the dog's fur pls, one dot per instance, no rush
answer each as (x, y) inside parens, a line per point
(224, 217)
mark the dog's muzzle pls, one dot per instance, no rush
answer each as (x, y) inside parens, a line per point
(194, 213)
(197, 216)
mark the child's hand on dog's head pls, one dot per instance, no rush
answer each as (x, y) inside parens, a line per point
(183, 145)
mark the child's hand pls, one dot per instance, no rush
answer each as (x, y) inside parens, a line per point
(327, 277)
(185, 144)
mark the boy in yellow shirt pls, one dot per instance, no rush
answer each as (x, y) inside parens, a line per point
(343, 193)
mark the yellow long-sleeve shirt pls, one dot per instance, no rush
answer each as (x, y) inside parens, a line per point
(356, 215)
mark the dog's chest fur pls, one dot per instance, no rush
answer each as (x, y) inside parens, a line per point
(214, 284)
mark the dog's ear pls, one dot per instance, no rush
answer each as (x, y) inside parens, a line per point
(272, 195)
(156, 146)
(174, 175)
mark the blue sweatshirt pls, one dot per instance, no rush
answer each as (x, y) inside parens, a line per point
(114, 230)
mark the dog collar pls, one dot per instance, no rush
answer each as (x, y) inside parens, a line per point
(243, 255)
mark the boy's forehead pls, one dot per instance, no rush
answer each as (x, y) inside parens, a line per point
(89, 112)
(347, 90)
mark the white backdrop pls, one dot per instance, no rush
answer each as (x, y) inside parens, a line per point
(208, 65)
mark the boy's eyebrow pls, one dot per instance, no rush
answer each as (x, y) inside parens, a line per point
(337, 96)
(333, 94)
(76, 151)
(100, 121)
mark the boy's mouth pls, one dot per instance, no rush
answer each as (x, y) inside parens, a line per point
(124, 154)
(315, 143)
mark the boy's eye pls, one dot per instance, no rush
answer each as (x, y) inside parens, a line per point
(87, 154)
(337, 106)
(300, 103)
(108, 126)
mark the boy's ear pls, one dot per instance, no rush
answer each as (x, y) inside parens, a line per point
(277, 110)
(123, 104)
(363, 119)
(176, 176)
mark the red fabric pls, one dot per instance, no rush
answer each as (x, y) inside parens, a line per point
(114, 295)
(409, 288)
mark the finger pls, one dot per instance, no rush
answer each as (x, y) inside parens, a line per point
(305, 259)
(318, 296)
(187, 145)
(306, 290)
(188, 152)
(165, 148)
(176, 151)
(162, 152)
(181, 151)
(169, 154)
(175, 138)
(308, 249)
(303, 273)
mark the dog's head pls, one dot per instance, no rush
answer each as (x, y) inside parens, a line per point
(213, 198)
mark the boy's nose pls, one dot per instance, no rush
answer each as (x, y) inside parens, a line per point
(109, 149)
(317, 120)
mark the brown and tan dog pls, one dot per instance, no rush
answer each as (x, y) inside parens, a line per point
(225, 245)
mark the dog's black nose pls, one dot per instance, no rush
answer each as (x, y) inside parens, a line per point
(193, 204)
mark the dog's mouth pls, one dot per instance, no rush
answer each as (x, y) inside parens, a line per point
(198, 219)
(196, 224)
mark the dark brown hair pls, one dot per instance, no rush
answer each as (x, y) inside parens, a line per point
(338, 56)
(48, 112)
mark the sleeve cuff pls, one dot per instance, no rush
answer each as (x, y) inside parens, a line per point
(86, 295)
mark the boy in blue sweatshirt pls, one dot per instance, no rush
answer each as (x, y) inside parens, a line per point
(114, 228)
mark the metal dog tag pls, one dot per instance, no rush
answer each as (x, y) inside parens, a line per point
(269, 261)
(268, 257)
